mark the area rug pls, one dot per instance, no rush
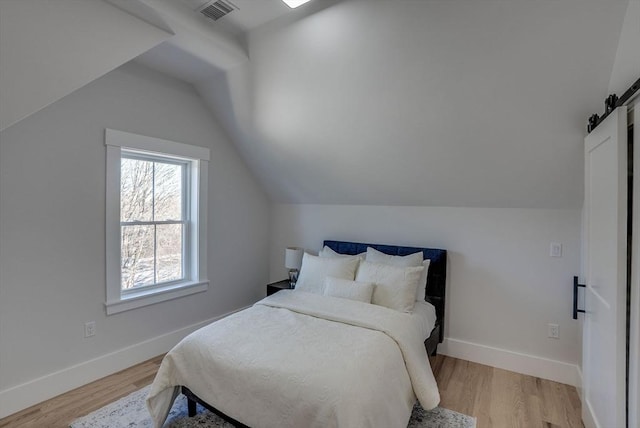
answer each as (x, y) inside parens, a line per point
(131, 411)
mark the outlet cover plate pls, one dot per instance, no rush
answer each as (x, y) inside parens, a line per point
(89, 329)
(553, 331)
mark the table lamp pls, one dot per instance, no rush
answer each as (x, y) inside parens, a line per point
(293, 262)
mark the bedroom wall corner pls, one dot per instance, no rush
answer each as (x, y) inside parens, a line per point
(503, 287)
(626, 67)
(52, 224)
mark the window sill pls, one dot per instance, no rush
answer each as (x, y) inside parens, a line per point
(157, 295)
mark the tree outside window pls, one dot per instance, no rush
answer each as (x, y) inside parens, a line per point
(152, 206)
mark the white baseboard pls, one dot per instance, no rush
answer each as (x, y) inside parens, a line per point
(579, 385)
(531, 365)
(35, 391)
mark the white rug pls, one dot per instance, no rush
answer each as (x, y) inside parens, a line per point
(131, 411)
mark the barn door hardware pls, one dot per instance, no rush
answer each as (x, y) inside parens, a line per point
(610, 104)
(575, 297)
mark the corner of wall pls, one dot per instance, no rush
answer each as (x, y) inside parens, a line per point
(627, 60)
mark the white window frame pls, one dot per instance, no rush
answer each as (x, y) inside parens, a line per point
(196, 279)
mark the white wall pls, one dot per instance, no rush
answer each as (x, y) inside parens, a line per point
(626, 68)
(50, 48)
(427, 92)
(503, 288)
(52, 211)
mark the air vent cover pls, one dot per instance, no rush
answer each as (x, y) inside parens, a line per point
(217, 9)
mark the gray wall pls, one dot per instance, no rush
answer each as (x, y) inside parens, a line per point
(49, 49)
(52, 211)
(626, 68)
(424, 103)
(503, 287)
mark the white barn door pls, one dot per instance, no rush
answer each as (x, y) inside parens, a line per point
(604, 342)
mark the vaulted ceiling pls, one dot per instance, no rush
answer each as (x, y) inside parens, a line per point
(424, 102)
(444, 103)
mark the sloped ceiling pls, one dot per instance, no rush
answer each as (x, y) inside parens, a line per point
(49, 49)
(626, 68)
(424, 102)
(441, 103)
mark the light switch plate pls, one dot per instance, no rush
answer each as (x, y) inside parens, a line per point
(555, 249)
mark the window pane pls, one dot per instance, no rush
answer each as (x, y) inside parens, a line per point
(136, 190)
(169, 252)
(168, 191)
(136, 256)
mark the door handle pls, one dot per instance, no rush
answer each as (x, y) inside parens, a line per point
(575, 297)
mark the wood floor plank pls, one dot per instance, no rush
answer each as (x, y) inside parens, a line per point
(482, 403)
(470, 380)
(497, 398)
(570, 412)
(506, 399)
(533, 402)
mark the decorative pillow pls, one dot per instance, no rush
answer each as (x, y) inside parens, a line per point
(353, 290)
(414, 259)
(395, 286)
(421, 291)
(315, 269)
(376, 256)
(328, 252)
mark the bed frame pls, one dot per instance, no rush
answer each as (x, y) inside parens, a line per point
(435, 294)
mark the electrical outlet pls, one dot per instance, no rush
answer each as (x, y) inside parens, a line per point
(553, 331)
(555, 249)
(89, 329)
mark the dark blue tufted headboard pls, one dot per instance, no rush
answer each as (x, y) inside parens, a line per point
(436, 277)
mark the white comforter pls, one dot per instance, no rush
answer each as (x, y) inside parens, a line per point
(297, 359)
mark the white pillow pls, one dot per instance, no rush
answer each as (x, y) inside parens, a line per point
(414, 259)
(353, 290)
(421, 291)
(395, 286)
(376, 256)
(328, 252)
(315, 269)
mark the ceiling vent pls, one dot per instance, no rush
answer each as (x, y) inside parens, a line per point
(217, 9)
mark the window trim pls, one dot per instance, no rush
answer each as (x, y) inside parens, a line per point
(116, 300)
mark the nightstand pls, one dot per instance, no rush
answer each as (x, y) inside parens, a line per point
(274, 287)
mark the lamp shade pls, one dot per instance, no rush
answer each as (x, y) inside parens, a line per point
(293, 258)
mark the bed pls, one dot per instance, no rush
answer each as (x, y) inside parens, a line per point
(300, 359)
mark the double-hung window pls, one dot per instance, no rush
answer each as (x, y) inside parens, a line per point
(156, 220)
(153, 220)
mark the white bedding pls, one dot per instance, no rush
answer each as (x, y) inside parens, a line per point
(424, 315)
(300, 359)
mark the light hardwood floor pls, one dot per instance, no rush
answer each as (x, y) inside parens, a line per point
(498, 398)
